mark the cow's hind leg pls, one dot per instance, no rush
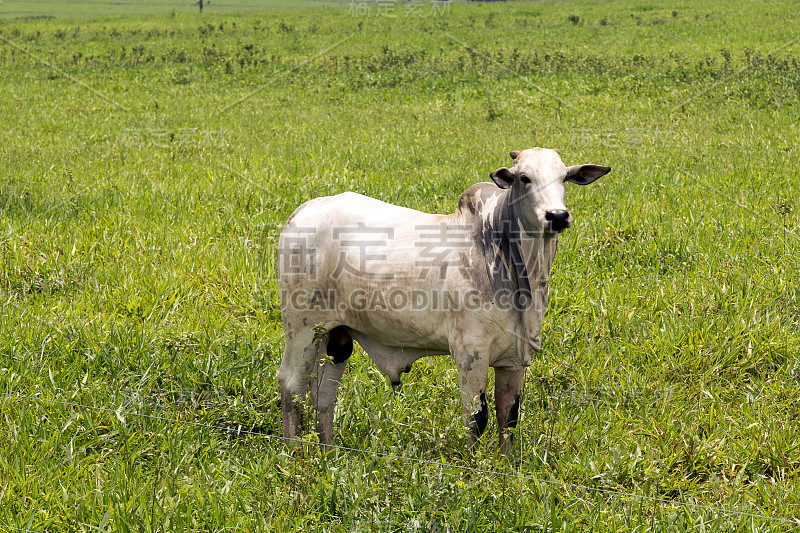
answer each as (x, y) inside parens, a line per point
(312, 364)
(338, 348)
(507, 397)
(294, 377)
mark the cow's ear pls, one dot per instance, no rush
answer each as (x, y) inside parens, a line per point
(586, 174)
(502, 177)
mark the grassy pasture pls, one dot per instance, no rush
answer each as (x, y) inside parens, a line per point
(148, 163)
(32, 9)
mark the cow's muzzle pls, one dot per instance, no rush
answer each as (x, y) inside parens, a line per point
(558, 220)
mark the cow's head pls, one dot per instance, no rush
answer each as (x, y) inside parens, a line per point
(537, 182)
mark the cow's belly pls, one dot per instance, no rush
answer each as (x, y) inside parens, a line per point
(426, 318)
(418, 329)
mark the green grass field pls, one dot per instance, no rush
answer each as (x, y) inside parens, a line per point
(149, 162)
(32, 9)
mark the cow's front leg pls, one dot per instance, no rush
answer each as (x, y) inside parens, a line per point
(507, 397)
(473, 373)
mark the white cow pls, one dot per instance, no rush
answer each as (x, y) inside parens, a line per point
(406, 284)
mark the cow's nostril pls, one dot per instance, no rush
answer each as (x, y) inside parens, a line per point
(559, 220)
(561, 214)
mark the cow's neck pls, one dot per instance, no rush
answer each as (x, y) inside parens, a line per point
(528, 255)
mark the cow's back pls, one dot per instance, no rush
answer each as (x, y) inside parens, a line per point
(364, 259)
(350, 209)
(353, 222)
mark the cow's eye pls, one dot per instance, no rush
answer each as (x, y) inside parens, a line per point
(525, 179)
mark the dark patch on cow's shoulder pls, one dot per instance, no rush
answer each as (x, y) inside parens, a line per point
(499, 235)
(481, 418)
(472, 199)
(340, 345)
